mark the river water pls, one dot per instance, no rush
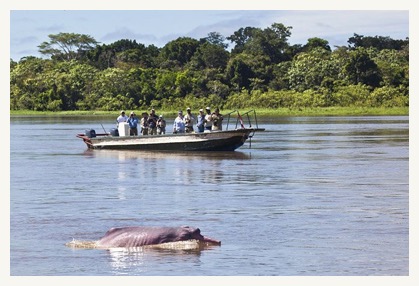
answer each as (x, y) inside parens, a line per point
(311, 196)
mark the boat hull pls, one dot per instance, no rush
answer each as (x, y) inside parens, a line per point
(228, 140)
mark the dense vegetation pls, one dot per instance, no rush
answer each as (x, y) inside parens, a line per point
(261, 70)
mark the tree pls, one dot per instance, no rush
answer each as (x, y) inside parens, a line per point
(210, 56)
(393, 67)
(377, 42)
(309, 69)
(271, 42)
(240, 38)
(362, 69)
(239, 71)
(27, 82)
(313, 43)
(67, 46)
(179, 51)
(216, 38)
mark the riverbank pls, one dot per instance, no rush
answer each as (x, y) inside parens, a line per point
(320, 111)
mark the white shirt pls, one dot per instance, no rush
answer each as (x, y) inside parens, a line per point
(122, 118)
(208, 119)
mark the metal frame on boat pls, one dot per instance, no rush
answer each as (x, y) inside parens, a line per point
(226, 140)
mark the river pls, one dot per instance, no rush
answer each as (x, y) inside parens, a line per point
(310, 196)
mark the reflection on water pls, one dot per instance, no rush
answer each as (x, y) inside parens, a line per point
(186, 168)
(142, 259)
(186, 156)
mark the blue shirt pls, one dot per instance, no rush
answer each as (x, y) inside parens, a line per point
(133, 121)
(201, 122)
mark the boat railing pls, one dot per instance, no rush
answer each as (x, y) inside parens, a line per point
(244, 123)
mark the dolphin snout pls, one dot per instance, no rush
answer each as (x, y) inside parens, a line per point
(211, 240)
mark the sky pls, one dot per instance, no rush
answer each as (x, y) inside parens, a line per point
(29, 28)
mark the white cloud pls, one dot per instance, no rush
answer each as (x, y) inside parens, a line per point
(159, 27)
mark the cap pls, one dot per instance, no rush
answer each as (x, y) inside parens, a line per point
(201, 110)
(180, 112)
(152, 109)
(161, 116)
(188, 108)
(132, 113)
(208, 108)
(122, 111)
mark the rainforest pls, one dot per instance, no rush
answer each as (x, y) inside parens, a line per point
(252, 68)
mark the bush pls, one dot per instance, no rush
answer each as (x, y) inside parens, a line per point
(350, 95)
(388, 97)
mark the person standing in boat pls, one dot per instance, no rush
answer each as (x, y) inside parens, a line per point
(201, 121)
(208, 120)
(217, 120)
(161, 125)
(189, 121)
(144, 123)
(133, 122)
(121, 118)
(152, 123)
(179, 123)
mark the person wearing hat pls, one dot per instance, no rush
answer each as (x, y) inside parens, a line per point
(217, 120)
(161, 125)
(144, 123)
(152, 122)
(189, 121)
(208, 120)
(133, 122)
(201, 121)
(179, 123)
(121, 118)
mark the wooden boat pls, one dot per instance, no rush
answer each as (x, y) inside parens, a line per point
(226, 140)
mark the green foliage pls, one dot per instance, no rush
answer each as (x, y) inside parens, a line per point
(388, 97)
(309, 69)
(377, 42)
(261, 71)
(350, 95)
(179, 51)
(361, 68)
(67, 46)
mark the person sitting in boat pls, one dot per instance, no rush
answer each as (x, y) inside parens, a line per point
(144, 123)
(161, 125)
(217, 120)
(189, 121)
(201, 121)
(121, 118)
(152, 122)
(208, 120)
(133, 121)
(179, 123)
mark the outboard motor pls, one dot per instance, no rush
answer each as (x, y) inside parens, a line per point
(114, 132)
(91, 133)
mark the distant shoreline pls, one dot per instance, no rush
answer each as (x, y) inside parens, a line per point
(320, 111)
